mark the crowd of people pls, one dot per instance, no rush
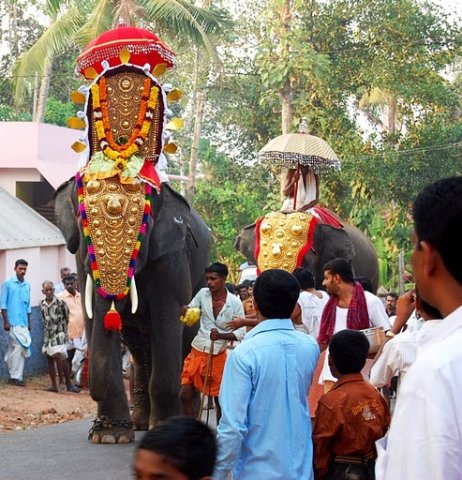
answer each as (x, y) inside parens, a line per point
(265, 429)
(63, 327)
(258, 352)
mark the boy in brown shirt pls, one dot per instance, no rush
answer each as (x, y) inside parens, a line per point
(349, 418)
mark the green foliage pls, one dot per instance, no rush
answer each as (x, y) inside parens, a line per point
(230, 196)
(57, 112)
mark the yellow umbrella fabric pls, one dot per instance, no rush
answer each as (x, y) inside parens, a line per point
(290, 149)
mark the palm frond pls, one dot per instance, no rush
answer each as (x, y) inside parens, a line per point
(53, 40)
(187, 20)
(98, 22)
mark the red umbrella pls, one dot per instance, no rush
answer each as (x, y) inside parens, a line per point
(144, 47)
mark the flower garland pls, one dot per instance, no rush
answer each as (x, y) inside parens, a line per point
(91, 248)
(111, 149)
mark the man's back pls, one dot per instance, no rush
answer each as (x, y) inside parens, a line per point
(263, 396)
(431, 392)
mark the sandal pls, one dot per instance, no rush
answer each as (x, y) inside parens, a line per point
(51, 389)
(73, 389)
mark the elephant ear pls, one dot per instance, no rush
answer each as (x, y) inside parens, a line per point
(66, 214)
(171, 223)
(245, 243)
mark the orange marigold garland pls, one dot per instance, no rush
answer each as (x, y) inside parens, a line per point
(111, 149)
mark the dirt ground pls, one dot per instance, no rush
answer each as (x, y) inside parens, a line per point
(32, 406)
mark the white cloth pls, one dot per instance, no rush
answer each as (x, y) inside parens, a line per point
(51, 350)
(232, 308)
(18, 351)
(377, 317)
(414, 324)
(399, 354)
(306, 192)
(312, 307)
(428, 415)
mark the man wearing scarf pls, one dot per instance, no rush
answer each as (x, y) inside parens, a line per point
(349, 307)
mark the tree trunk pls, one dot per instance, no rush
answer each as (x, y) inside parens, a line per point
(198, 115)
(286, 95)
(43, 93)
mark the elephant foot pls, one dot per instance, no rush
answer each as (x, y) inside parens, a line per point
(141, 410)
(108, 431)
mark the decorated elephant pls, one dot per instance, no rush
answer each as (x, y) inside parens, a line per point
(141, 250)
(309, 239)
(169, 270)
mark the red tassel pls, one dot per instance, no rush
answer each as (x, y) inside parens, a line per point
(112, 320)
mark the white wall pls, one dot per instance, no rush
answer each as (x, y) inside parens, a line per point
(9, 177)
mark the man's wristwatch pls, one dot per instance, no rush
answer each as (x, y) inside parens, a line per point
(390, 334)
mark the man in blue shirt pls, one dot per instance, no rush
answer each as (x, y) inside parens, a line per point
(15, 306)
(265, 429)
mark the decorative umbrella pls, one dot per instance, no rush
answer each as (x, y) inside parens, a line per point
(141, 46)
(294, 149)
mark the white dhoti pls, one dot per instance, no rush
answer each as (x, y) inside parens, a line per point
(18, 351)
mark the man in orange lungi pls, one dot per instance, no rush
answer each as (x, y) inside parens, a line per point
(203, 368)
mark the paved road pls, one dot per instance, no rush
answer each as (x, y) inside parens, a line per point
(61, 452)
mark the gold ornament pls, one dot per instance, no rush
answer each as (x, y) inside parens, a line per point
(76, 123)
(124, 55)
(159, 69)
(78, 98)
(114, 220)
(282, 236)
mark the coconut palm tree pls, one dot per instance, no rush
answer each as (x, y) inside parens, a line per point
(80, 21)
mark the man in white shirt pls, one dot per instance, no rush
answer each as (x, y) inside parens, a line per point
(400, 352)
(203, 367)
(311, 302)
(428, 415)
(349, 307)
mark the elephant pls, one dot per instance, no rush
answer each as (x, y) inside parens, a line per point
(329, 242)
(169, 270)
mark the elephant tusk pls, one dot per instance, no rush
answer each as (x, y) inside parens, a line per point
(89, 297)
(133, 295)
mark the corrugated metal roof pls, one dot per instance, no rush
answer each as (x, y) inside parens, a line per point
(21, 226)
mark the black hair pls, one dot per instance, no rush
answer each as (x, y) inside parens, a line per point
(348, 350)
(186, 444)
(276, 292)
(247, 283)
(437, 213)
(231, 288)
(392, 294)
(220, 268)
(69, 278)
(342, 268)
(305, 278)
(241, 286)
(21, 261)
(365, 283)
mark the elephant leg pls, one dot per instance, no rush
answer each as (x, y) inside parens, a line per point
(164, 386)
(140, 351)
(142, 403)
(112, 424)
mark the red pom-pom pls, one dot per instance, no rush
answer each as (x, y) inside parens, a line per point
(112, 321)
